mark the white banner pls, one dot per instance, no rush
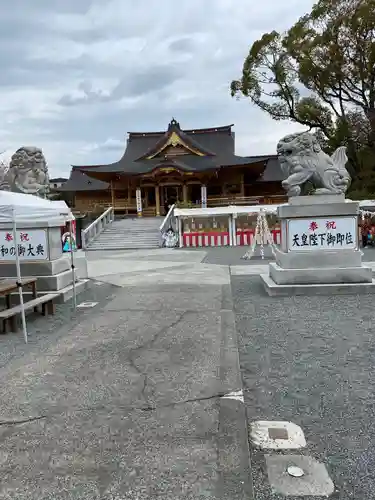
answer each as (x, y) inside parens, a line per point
(32, 245)
(138, 197)
(204, 196)
(331, 233)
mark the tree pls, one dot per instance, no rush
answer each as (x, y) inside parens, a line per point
(321, 74)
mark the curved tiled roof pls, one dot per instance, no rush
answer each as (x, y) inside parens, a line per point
(215, 141)
(79, 181)
(217, 145)
(190, 142)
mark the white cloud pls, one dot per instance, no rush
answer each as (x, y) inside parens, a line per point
(76, 76)
(110, 144)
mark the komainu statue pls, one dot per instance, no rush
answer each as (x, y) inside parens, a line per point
(5, 157)
(28, 172)
(302, 159)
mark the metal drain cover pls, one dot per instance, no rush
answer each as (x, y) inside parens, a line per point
(294, 471)
(86, 304)
(298, 476)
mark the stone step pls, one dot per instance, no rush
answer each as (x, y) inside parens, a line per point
(125, 233)
(130, 231)
(131, 240)
(125, 242)
(129, 234)
(128, 238)
(144, 223)
(122, 247)
(114, 249)
(136, 223)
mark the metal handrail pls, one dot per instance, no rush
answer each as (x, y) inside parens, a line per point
(167, 219)
(97, 226)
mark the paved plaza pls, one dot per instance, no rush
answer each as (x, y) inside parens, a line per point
(139, 396)
(129, 399)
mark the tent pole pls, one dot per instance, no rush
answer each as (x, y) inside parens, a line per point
(19, 282)
(72, 265)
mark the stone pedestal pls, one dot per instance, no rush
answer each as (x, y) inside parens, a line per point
(52, 267)
(319, 251)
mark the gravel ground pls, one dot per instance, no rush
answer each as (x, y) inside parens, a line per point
(310, 360)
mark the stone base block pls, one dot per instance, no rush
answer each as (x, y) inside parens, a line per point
(66, 293)
(319, 259)
(317, 206)
(51, 279)
(37, 268)
(321, 199)
(80, 261)
(275, 290)
(56, 282)
(316, 276)
(53, 283)
(47, 267)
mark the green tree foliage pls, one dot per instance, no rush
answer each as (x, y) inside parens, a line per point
(321, 74)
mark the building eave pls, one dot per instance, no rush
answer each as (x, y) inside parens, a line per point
(210, 130)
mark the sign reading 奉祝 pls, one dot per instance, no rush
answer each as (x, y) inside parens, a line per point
(322, 233)
(32, 245)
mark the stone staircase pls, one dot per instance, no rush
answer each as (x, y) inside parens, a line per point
(129, 233)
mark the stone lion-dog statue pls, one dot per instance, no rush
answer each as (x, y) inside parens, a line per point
(302, 159)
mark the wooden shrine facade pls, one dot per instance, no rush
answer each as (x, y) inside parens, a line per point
(187, 167)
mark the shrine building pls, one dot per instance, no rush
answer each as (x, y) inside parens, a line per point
(188, 167)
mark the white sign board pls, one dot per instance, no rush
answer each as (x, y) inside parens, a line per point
(32, 245)
(204, 196)
(331, 233)
(138, 198)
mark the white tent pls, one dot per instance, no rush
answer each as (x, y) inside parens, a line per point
(28, 209)
(25, 209)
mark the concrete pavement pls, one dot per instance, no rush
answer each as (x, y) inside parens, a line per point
(131, 399)
(140, 396)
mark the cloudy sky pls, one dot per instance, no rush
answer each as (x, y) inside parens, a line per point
(77, 75)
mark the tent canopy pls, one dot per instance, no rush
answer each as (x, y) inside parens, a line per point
(367, 203)
(27, 208)
(226, 210)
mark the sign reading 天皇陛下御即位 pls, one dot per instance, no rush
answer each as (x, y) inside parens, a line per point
(31, 245)
(331, 233)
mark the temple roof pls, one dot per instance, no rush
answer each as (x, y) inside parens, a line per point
(216, 143)
(79, 181)
(203, 150)
(272, 172)
(188, 162)
(174, 131)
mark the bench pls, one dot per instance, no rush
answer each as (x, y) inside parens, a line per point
(9, 316)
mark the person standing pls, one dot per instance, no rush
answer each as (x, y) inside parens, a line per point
(365, 228)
